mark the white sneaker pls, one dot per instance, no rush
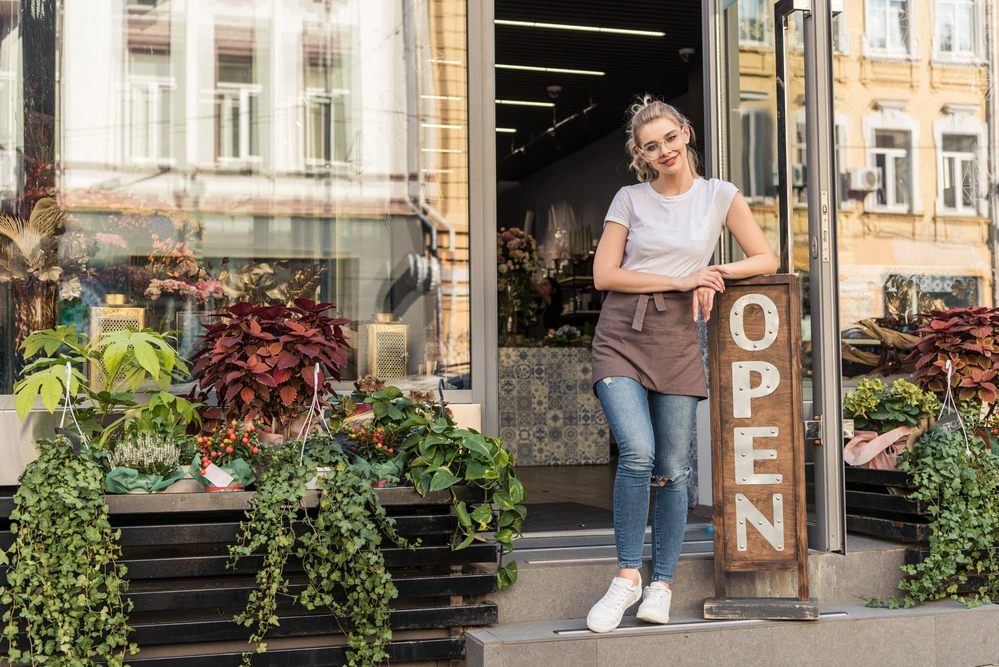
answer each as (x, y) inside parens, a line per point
(606, 614)
(655, 604)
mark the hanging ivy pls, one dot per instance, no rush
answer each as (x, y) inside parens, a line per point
(64, 584)
(957, 481)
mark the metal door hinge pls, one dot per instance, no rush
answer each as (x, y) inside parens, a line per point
(813, 430)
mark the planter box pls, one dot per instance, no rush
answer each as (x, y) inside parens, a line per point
(174, 544)
(876, 505)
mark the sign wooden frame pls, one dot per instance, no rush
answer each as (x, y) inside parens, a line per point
(757, 445)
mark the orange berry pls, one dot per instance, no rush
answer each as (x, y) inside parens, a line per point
(228, 450)
(254, 450)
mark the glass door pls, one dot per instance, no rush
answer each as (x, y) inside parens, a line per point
(772, 91)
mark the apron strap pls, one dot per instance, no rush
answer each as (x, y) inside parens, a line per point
(643, 305)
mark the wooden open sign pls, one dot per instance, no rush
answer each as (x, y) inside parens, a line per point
(757, 444)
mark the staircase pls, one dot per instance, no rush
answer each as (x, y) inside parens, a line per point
(541, 619)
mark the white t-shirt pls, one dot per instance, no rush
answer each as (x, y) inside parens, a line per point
(671, 236)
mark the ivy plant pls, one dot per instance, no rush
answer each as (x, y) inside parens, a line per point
(63, 580)
(342, 557)
(270, 525)
(340, 548)
(957, 481)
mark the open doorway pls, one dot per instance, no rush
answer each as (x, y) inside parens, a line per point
(566, 72)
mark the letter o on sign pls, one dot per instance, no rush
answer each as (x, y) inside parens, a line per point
(770, 318)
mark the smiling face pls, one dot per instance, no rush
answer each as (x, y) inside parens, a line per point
(663, 144)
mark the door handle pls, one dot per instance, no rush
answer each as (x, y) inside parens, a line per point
(782, 11)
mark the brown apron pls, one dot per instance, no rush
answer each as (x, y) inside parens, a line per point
(651, 338)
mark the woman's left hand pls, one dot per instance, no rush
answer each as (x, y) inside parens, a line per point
(704, 299)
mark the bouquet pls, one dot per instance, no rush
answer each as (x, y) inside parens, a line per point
(516, 258)
(565, 336)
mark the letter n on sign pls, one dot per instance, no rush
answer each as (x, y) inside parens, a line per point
(757, 444)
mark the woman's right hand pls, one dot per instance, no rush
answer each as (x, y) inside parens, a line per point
(710, 276)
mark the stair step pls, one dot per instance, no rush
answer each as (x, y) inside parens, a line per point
(559, 584)
(938, 634)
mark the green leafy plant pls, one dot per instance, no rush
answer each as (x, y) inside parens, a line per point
(275, 509)
(957, 480)
(966, 337)
(63, 581)
(126, 361)
(565, 336)
(260, 360)
(875, 406)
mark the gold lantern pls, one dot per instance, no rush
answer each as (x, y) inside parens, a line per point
(114, 315)
(383, 348)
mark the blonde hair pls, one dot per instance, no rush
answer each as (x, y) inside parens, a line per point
(643, 112)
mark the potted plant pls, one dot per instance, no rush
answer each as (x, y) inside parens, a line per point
(143, 462)
(261, 362)
(887, 419)
(565, 336)
(127, 360)
(229, 456)
(966, 338)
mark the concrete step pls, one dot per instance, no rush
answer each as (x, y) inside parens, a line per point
(562, 582)
(939, 634)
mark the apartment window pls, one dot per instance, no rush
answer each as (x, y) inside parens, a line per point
(799, 176)
(754, 22)
(151, 91)
(954, 29)
(757, 154)
(892, 155)
(326, 114)
(958, 173)
(840, 38)
(237, 110)
(888, 26)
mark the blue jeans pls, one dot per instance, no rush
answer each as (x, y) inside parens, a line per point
(653, 433)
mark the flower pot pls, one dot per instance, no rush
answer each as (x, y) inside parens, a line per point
(223, 489)
(184, 485)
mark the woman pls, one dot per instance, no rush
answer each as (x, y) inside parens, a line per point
(549, 311)
(653, 259)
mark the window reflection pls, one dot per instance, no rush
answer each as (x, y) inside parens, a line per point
(256, 152)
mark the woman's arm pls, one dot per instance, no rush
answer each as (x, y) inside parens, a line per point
(608, 274)
(760, 258)
(545, 298)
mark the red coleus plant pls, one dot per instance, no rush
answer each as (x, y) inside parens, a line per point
(967, 338)
(260, 360)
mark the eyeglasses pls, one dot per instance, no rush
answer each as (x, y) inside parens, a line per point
(653, 149)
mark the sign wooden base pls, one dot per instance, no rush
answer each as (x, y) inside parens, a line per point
(757, 445)
(764, 609)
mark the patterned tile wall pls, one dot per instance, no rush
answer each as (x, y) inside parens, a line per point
(548, 413)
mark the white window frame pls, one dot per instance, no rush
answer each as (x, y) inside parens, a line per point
(960, 120)
(768, 33)
(313, 95)
(891, 117)
(154, 87)
(841, 122)
(909, 53)
(841, 37)
(241, 92)
(977, 54)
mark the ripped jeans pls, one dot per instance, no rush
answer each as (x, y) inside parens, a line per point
(653, 433)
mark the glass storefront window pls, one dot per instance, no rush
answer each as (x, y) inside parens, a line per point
(250, 151)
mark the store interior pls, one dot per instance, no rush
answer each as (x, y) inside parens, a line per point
(562, 92)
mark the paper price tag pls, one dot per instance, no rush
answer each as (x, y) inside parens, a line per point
(217, 476)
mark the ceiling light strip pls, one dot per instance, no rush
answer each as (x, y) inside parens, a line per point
(580, 28)
(525, 103)
(552, 70)
(506, 130)
(451, 98)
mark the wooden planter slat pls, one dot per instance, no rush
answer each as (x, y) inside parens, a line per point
(174, 547)
(888, 529)
(876, 505)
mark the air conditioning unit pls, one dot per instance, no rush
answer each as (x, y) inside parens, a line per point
(799, 176)
(865, 179)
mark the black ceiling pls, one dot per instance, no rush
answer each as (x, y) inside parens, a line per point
(633, 65)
